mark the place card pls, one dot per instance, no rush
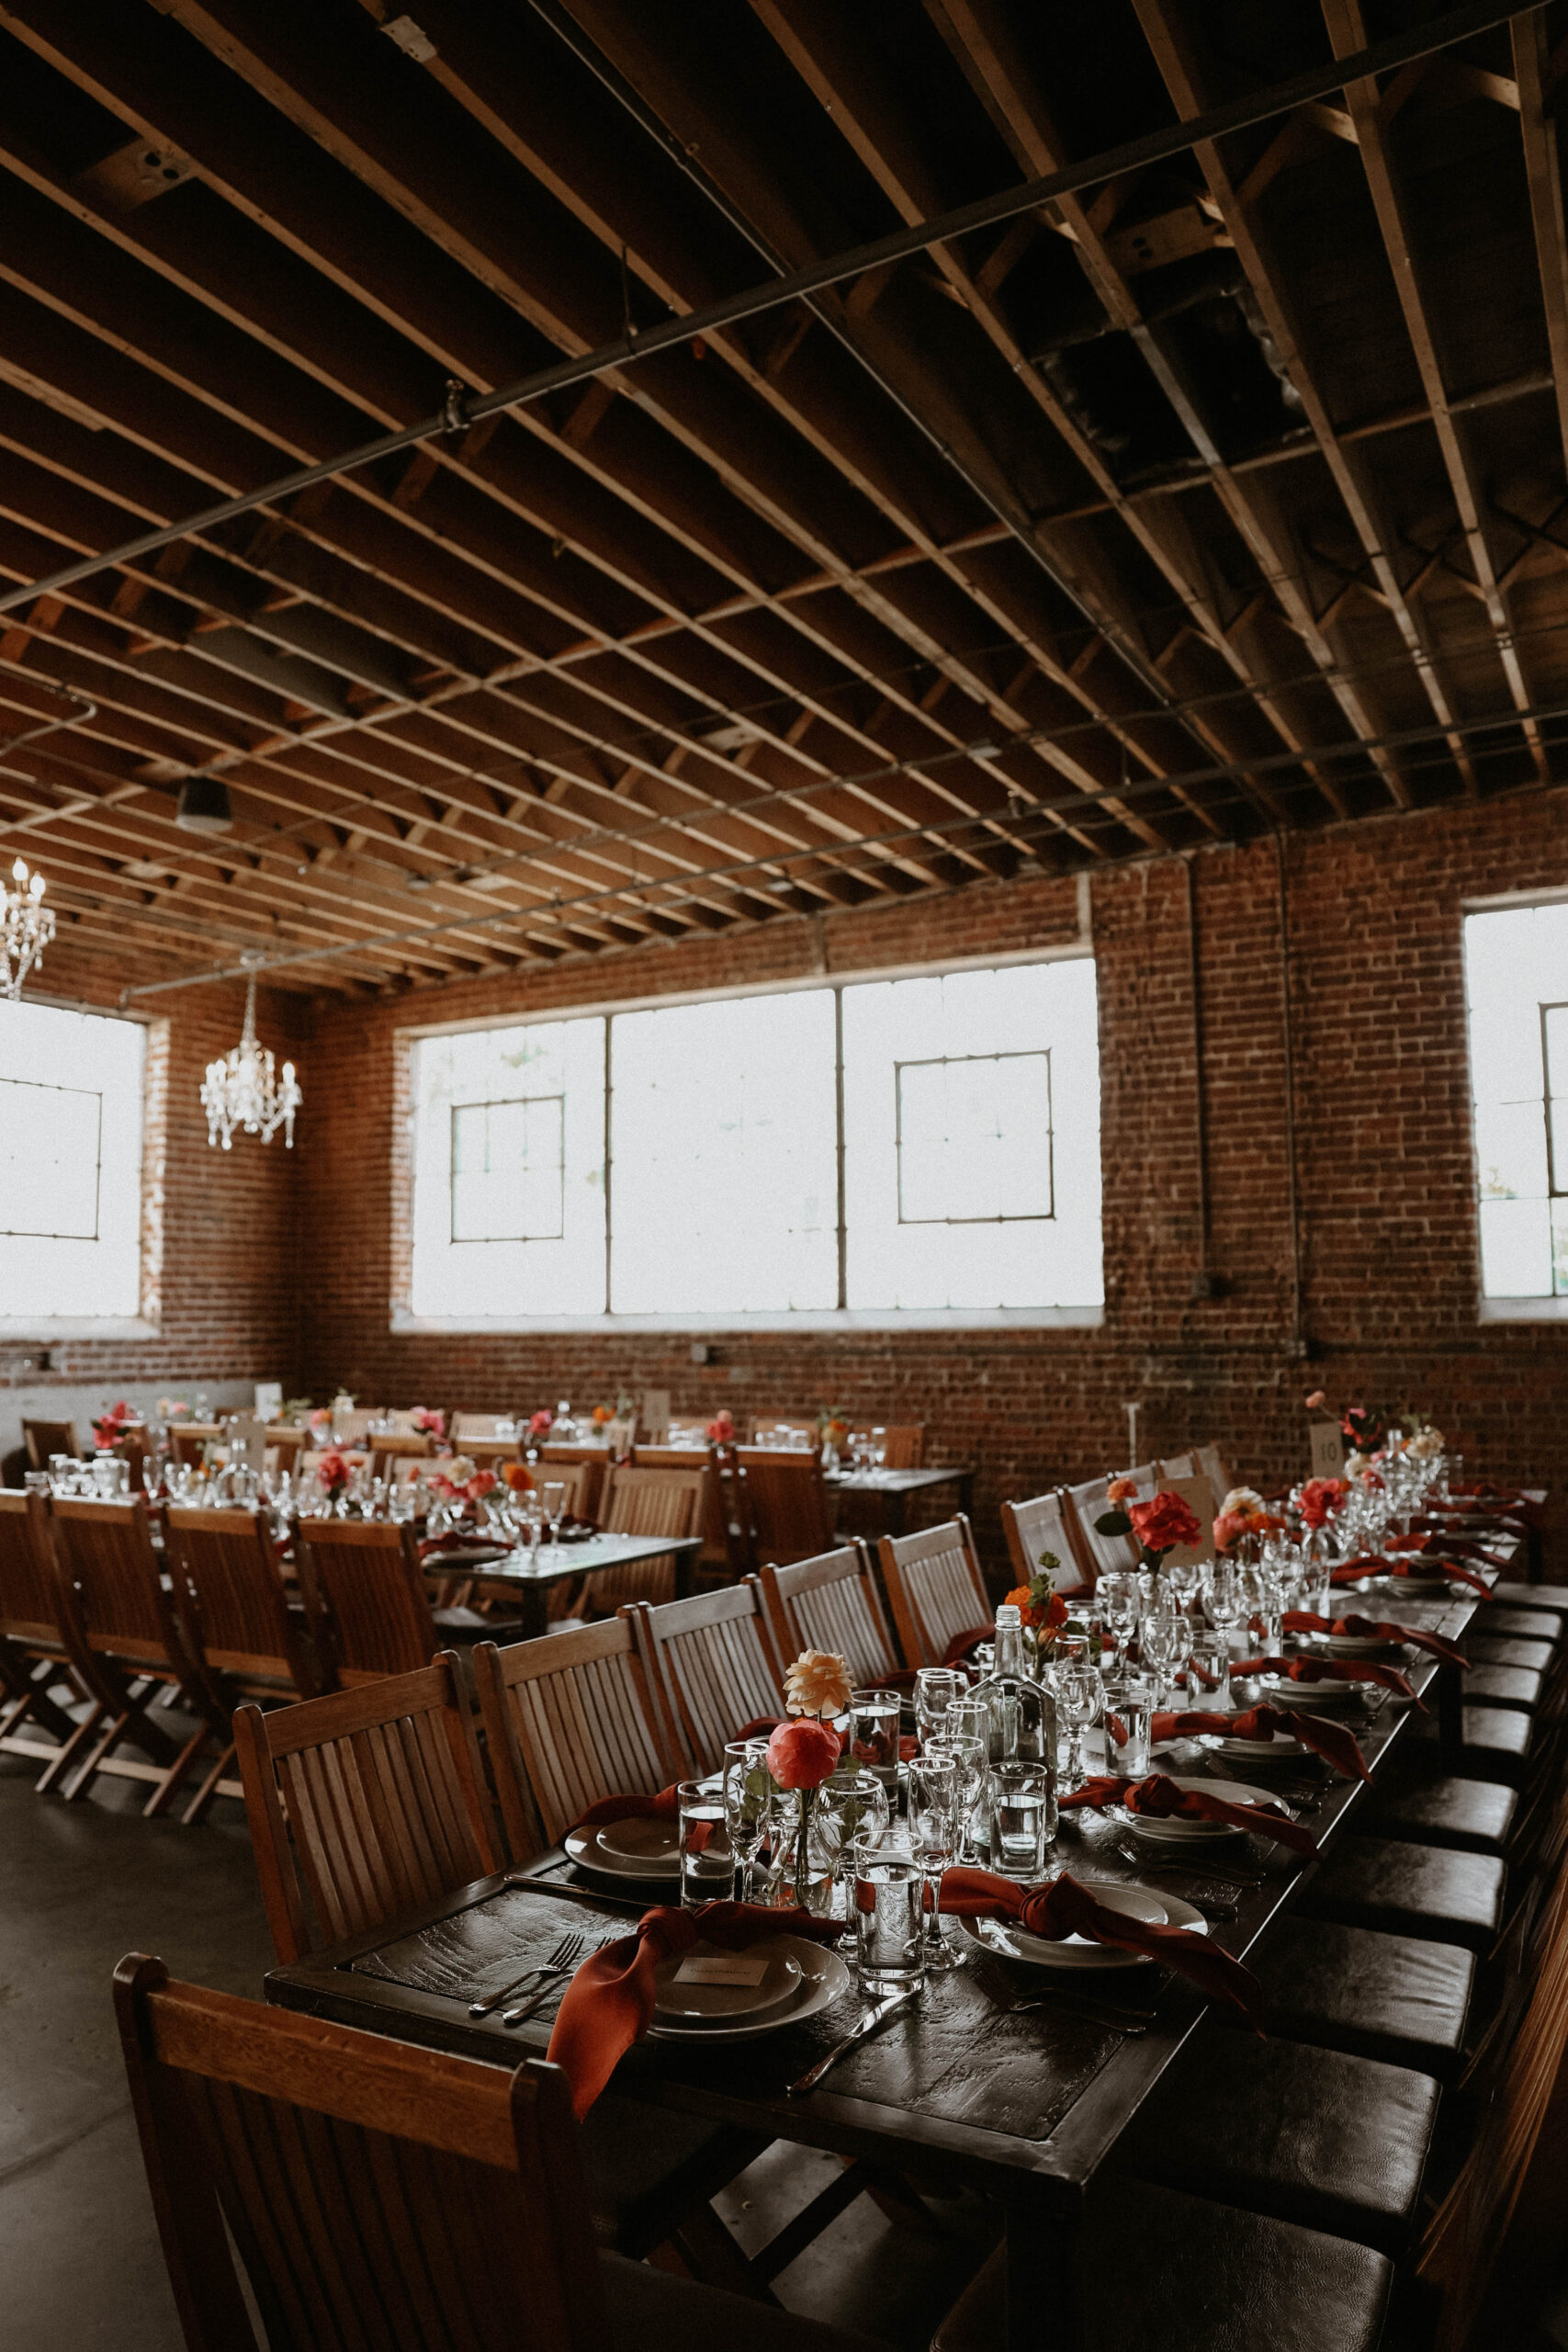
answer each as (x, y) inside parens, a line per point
(723, 1968)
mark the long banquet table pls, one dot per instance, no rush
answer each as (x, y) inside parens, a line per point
(531, 1582)
(1025, 2106)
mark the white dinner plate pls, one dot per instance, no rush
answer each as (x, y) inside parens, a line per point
(640, 1837)
(1281, 1692)
(1360, 1646)
(1258, 1751)
(585, 1848)
(677, 2003)
(1171, 1830)
(1012, 1942)
(823, 1976)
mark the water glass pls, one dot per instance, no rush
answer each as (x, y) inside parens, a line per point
(1163, 1636)
(1127, 1714)
(1117, 1593)
(969, 1753)
(936, 1689)
(1022, 1809)
(708, 1858)
(1209, 1673)
(890, 1917)
(851, 1806)
(874, 1731)
(1080, 1694)
(933, 1797)
(747, 1804)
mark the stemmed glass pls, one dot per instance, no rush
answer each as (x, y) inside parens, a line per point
(1079, 1696)
(1182, 1578)
(934, 1793)
(936, 1689)
(1221, 1597)
(1117, 1593)
(1163, 1638)
(850, 1806)
(748, 1804)
(970, 1752)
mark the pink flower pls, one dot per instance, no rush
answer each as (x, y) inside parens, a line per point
(721, 1428)
(433, 1424)
(479, 1485)
(802, 1754)
(1316, 1400)
(541, 1424)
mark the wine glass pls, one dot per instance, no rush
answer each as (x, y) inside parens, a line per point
(1079, 1696)
(1117, 1596)
(849, 1805)
(933, 1795)
(1162, 1636)
(970, 1751)
(936, 1689)
(747, 1804)
(1182, 1578)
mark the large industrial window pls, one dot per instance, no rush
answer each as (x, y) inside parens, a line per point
(1517, 985)
(875, 1150)
(71, 1129)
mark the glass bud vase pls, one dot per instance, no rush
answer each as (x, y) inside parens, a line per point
(806, 1882)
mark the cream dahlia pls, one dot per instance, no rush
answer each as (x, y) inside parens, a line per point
(817, 1684)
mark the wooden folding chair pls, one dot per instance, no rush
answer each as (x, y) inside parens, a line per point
(365, 1594)
(792, 1514)
(284, 1446)
(935, 1588)
(1210, 1462)
(188, 1442)
(124, 1639)
(1180, 1466)
(590, 1461)
(43, 1438)
(904, 1446)
(401, 1445)
(354, 1424)
(793, 1422)
(712, 1667)
(465, 1431)
(569, 1720)
(831, 1603)
(1042, 1524)
(34, 1655)
(640, 1502)
(1085, 1503)
(377, 2194)
(234, 1609)
(369, 1802)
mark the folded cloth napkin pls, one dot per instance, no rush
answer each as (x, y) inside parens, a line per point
(1465, 1547)
(1326, 1670)
(1372, 1564)
(1158, 1796)
(958, 1649)
(609, 2003)
(1372, 1629)
(1414, 1541)
(1479, 1496)
(1331, 1741)
(1067, 1908)
(665, 1806)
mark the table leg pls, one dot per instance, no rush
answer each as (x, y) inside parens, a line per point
(897, 1509)
(1043, 2302)
(535, 1611)
(685, 1564)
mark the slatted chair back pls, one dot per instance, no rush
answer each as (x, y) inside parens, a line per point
(1180, 1466)
(111, 1574)
(1212, 1463)
(935, 1588)
(30, 1598)
(43, 1438)
(373, 2193)
(366, 1595)
(793, 1422)
(465, 1429)
(569, 1720)
(904, 1446)
(189, 1440)
(591, 1460)
(406, 1421)
(791, 1510)
(401, 1445)
(579, 1478)
(1040, 1525)
(712, 1667)
(1088, 1502)
(368, 1800)
(231, 1598)
(284, 1446)
(733, 1486)
(642, 1501)
(490, 1453)
(354, 1425)
(831, 1603)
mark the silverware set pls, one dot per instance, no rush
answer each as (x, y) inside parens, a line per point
(540, 1979)
(1111, 2014)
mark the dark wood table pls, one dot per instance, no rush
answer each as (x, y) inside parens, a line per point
(893, 1488)
(1026, 2106)
(560, 1563)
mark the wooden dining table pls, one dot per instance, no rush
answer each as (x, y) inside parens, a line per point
(1025, 2106)
(529, 1582)
(885, 1495)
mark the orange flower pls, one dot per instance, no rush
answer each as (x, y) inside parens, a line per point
(519, 1478)
(1018, 1599)
(1121, 1491)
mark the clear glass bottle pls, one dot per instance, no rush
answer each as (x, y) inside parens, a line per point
(563, 1429)
(1023, 1712)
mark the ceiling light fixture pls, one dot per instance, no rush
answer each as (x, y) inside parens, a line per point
(244, 1091)
(204, 806)
(27, 926)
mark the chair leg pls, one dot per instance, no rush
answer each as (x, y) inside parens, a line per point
(62, 1763)
(165, 1793)
(201, 1803)
(712, 2256)
(89, 1771)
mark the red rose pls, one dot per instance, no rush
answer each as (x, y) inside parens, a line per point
(721, 1428)
(541, 1424)
(1163, 1521)
(1321, 1498)
(802, 1754)
(479, 1485)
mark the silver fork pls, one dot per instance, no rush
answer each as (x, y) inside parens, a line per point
(561, 1962)
(560, 1956)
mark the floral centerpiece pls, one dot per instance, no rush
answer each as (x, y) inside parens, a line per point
(721, 1428)
(333, 1472)
(1244, 1524)
(832, 1430)
(1041, 1611)
(540, 1424)
(518, 1479)
(1364, 1427)
(1156, 1526)
(113, 1426)
(172, 1408)
(431, 1424)
(459, 1480)
(603, 1416)
(805, 1750)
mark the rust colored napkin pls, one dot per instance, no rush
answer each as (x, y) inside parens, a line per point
(665, 1806)
(1331, 1741)
(1374, 1629)
(1158, 1796)
(609, 2003)
(1465, 1547)
(957, 1651)
(1064, 1908)
(1373, 1564)
(1414, 1542)
(1327, 1669)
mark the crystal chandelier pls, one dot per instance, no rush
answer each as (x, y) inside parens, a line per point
(27, 926)
(244, 1090)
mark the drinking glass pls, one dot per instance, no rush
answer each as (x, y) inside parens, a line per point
(1021, 1808)
(931, 1804)
(1209, 1673)
(1182, 1579)
(1264, 1605)
(1079, 1695)
(1117, 1593)
(552, 1503)
(1162, 1636)
(1221, 1597)
(707, 1860)
(970, 1753)
(874, 1731)
(748, 1804)
(936, 1689)
(1128, 1710)
(890, 1917)
(850, 1806)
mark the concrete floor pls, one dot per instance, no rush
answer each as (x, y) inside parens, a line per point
(80, 2264)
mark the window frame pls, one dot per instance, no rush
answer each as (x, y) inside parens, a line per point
(956, 1061)
(842, 1317)
(1527, 1307)
(463, 1240)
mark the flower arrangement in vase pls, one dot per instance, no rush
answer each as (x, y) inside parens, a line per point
(1041, 1611)
(459, 1480)
(429, 1424)
(113, 1425)
(1156, 1526)
(721, 1428)
(803, 1752)
(1244, 1524)
(333, 1472)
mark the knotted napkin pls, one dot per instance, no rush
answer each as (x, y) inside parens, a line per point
(1374, 1629)
(1331, 1741)
(1466, 1547)
(1371, 1563)
(609, 2003)
(1158, 1797)
(1326, 1670)
(1067, 1908)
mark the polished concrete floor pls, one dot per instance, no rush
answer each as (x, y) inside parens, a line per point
(80, 2266)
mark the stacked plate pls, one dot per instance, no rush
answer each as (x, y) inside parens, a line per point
(799, 1979)
(1282, 1748)
(1360, 1646)
(1171, 1829)
(1011, 1943)
(636, 1848)
(1313, 1697)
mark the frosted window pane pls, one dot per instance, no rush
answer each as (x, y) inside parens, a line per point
(70, 1164)
(1517, 988)
(1516, 1249)
(508, 1171)
(1510, 1151)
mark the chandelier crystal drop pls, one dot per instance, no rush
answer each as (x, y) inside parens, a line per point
(27, 926)
(244, 1091)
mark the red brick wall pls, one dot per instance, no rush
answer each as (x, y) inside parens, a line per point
(1386, 1225)
(230, 1296)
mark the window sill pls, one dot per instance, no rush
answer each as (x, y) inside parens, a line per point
(77, 1327)
(1523, 1310)
(949, 1318)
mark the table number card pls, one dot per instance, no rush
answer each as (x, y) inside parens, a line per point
(1327, 1449)
(653, 1415)
(246, 1441)
(269, 1399)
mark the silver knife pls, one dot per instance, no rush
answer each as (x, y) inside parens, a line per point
(868, 2024)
